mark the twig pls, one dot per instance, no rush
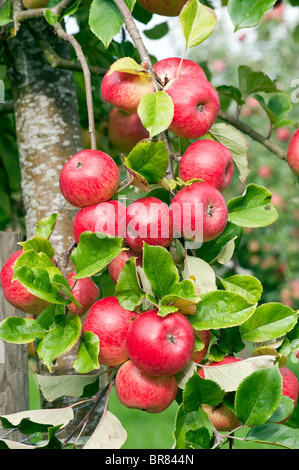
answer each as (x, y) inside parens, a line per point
(20, 15)
(253, 134)
(55, 60)
(92, 409)
(86, 72)
(63, 260)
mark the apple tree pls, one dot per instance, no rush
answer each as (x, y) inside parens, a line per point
(155, 221)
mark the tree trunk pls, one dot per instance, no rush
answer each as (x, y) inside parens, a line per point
(48, 134)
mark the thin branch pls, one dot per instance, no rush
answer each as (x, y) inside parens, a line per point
(253, 134)
(86, 72)
(20, 15)
(59, 62)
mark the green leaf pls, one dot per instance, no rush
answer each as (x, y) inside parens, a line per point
(63, 335)
(94, 252)
(247, 286)
(160, 270)
(221, 309)
(5, 13)
(197, 22)
(46, 226)
(283, 411)
(237, 144)
(158, 31)
(275, 434)
(251, 82)
(53, 387)
(277, 108)
(198, 391)
(20, 330)
(38, 244)
(248, 13)
(155, 111)
(203, 274)
(231, 92)
(127, 65)
(51, 17)
(209, 251)
(253, 209)
(103, 13)
(258, 396)
(269, 321)
(128, 290)
(149, 159)
(88, 352)
(199, 430)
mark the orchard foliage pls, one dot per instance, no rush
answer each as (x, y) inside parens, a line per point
(174, 278)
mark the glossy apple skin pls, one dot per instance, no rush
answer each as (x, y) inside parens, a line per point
(89, 177)
(135, 389)
(205, 204)
(125, 130)
(29, 4)
(15, 293)
(110, 322)
(85, 291)
(205, 336)
(148, 220)
(116, 265)
(107, 217)
(167, 69)
(164, 8)
(125, 90)
(196, 106)
(290, 386)
(293, 153)
(160, 345)
(208, 160)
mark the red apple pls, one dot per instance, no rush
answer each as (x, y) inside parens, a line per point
(124, 90)
(226, 360)
(264, 171)
(205, 336)
(135, 389)
(222, 418)
(107, 217)
(160, 345)
(110, 322)
(290, 386)
(196, 105)
(116, 265)
(293, 153)
(168, 69)
(148, 220)
(278, 201)
(89, 177)
(85, 291)
(125, 130)
(164, 8)
(283, 133)
(208, 160)
(15, 293)
(199, 212)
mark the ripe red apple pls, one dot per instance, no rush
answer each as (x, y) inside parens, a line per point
(283, 133)
(208, 160)
(110, 322)
(196, 105)
(290, 386)
(124, 90)
(125, 130)
(168, 69)
(29, 4)
(148, 220)
(164, 8)
(135, 389)
(205, 336)
(107, 217)
(116, 265)
(15, 293)
(293, 153)
(160, 345)
(85, 291)
(89, 177)
(199, 212)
